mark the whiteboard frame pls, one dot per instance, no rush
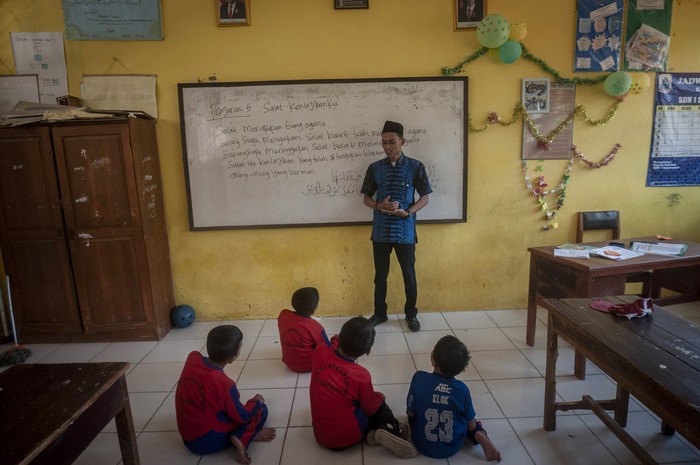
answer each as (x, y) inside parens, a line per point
(183, 87)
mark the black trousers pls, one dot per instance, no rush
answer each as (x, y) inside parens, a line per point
(381, 418)
(406, 255)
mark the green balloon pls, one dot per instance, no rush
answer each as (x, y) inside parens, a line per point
(510, 51)
(617, 83)
(493, 31)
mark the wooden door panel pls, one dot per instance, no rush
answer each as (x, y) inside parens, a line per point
(42, 287)
(32, 234)
(28, 188)
(113, 285)
(96, 177)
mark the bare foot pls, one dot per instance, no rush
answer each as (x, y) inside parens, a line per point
(265, 435)
(490, 450)
(241, 453)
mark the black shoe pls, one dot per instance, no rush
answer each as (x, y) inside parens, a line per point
(377, 320)
(413, 323)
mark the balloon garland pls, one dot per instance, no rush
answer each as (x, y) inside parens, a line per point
(494, 32)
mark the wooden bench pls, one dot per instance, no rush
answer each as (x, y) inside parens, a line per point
(51, 412)
(655, 358)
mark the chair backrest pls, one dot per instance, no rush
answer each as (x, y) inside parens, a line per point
(609, 219)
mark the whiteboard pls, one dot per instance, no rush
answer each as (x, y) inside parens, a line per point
(294, 153)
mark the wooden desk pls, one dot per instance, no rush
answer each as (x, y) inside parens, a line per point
(52, 412)
(560, 277)
(654, 358)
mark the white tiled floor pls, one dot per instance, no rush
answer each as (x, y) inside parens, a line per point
(505, 377)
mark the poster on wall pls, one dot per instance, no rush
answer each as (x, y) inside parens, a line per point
(647, 36)
(598, 35)
(674, 158)
(561, 103)
(112, 20)
(42, 53)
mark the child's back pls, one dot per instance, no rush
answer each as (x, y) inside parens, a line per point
(340, 389)
(442, 406)
(439, 407)
(300, 334)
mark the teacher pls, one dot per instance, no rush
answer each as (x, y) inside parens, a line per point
(395, 180)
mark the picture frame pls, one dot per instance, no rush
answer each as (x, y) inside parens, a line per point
(232, 12)
(535, 97)
(468, 13)
(350, 4)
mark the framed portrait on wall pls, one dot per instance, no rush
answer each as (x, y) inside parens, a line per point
(350, 4)
(468, 13)
(233, 12)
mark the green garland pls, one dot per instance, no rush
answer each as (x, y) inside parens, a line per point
(446, 71)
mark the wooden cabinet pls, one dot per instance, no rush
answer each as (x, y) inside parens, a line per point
(83, 231)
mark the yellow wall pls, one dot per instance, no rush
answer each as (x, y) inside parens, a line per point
(481, 264)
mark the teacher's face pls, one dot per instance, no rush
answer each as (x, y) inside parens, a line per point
(392, 144)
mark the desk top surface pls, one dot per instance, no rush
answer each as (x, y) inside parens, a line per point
(603, 265)
(39, 401)
(661, 348)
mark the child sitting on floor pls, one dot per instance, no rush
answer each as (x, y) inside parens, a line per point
(345, 408)
(210, 415)
(439, 407)
(299, 332)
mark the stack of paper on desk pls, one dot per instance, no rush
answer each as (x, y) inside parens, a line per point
(670, 250)
(615, 253)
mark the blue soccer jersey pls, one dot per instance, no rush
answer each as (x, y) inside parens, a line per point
(439, 408)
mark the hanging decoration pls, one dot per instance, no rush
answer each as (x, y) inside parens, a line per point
(579, 111)
(599, 164)
(494, 33)
(541, 192)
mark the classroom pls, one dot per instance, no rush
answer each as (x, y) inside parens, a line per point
(280, 208)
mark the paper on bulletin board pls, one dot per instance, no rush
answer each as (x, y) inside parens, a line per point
(16, 88)
(562, 102)
(647, 36)
(674, 158)
(598, 35)
(113, 20)
(120, 92)
(42, 53)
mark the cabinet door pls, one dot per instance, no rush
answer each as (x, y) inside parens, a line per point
(32, 235)
(96, 177)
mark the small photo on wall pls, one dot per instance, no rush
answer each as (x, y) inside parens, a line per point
(535, 97)
(233, 12)
(468, 13)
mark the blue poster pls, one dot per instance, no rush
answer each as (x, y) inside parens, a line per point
(112, 19)
(598, 35)
(674, 158)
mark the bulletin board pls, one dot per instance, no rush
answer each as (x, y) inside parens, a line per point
(294, 153)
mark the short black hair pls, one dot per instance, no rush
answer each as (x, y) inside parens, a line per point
(356, 337)
(451, 356)
(223, 342)
(305, 300)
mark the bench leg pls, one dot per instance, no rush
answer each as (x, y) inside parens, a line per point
(622, 406)
(550, 383)
(125, 430)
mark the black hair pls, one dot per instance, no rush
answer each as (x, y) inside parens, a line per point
(223, 342)
(356, 337)
(451, 356)
(305, 300)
